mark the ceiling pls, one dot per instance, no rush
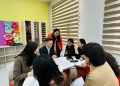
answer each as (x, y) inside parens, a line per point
(46, 1)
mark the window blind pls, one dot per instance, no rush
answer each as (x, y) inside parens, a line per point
(43, 31)
(65, 16)
(111, 31)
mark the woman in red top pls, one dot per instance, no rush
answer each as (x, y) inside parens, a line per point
(57, 42)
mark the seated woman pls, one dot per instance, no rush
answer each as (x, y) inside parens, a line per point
(80, 44)
(23, 63)
(100, 73)
(70, 50)
(114, 65)
(46, 73)
(111, 61)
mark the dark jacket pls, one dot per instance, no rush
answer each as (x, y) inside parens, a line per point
(80, 52)
(70, 51)
(43, 50)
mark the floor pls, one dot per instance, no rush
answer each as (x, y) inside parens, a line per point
(4, 80)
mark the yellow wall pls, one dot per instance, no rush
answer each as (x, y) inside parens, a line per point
(21, 10)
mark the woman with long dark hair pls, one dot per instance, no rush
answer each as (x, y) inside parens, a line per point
(23, 63)
(46, 73)
(100, 73)
(80, 45)
(114, 65)
(57, 42)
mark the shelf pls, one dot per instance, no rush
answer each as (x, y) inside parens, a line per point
(19, 49)
(8, 53)
(1, 51)
(9, 50)
(2, 60)
(10, 58)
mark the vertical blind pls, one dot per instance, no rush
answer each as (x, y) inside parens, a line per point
(43, 31)
(111, 31)
(65, 16)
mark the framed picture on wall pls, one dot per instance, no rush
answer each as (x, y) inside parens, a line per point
(9, 33)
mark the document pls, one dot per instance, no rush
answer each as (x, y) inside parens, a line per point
(63, 63)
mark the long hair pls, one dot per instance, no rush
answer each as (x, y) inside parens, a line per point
(45, 70)
(82, 41)
(28, 53)
(58, 37)
(113, 63)
(95, 53)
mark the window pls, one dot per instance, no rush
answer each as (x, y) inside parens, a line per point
(111, 31)
(65, 16)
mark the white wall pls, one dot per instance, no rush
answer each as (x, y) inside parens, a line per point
(91, 20)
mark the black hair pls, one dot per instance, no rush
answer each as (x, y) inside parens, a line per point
(45, 70)
(28, 53)
(113, 63)
(71, 40)
(95, 53)
(82, 41)
(58, 37)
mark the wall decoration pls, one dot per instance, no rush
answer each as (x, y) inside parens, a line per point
(9, 33)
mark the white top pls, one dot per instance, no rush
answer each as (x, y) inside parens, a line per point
(31, 81)
(78, 82)
(48, 49)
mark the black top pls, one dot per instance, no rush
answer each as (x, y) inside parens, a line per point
(80, 52)
(70, 51)
(52, 52)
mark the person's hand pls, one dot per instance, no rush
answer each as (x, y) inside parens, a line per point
(30, 73)
(54, 56)
(83, 65)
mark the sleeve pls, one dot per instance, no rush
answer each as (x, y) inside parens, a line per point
(17, 71)
(61, 43)
(49, 36)
(41, 51)
(90, 80)
(65, 54)
(73, 51)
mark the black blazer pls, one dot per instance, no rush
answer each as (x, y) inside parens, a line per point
(43, 50)
(80, 52)
(70, 51)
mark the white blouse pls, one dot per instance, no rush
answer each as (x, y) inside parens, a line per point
(31, 81)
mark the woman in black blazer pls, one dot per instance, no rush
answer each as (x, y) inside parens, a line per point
(70, 50)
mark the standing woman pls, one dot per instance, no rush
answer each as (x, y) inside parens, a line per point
(57, 42)
(23, 63)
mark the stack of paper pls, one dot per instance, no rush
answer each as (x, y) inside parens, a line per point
(63, 63)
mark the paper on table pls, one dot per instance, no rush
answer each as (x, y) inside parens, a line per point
(63, 63)
(79, 63)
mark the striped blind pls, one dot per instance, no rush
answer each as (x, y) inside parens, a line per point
(111, 31)
(65, 16)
